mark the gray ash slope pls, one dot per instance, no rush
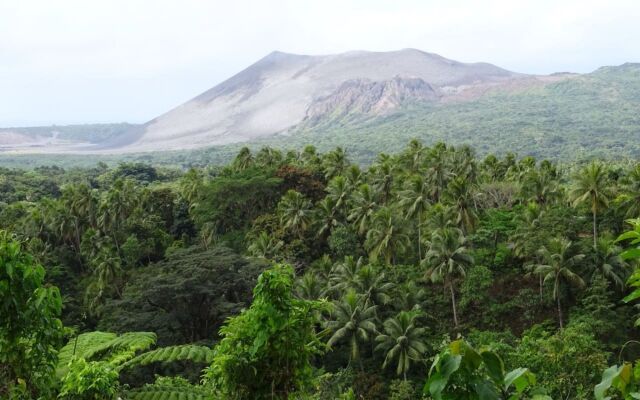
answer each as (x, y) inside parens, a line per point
(283, 91)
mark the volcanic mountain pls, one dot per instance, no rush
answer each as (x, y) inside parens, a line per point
(368, 102)
(283, 92)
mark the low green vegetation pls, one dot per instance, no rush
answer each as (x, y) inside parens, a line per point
(431, 273)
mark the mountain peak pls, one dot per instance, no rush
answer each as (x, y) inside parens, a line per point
(277, 92)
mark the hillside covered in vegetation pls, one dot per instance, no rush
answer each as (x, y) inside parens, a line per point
(432, 273)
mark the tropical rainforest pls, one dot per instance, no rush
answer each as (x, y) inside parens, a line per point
(432, 273)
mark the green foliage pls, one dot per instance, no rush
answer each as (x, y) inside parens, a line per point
(193, 353)
(165, 388)
(461, 372)
(138, 248)
(402, 390)
(402, 340)
(186, 297)
(566, 362)
(89, 381)
(624, 379)
(104, 346)
(265, 352)
(30, 328)
(232, 202)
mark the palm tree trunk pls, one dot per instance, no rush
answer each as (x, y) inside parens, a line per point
(453, 304)
(559, 310)
(540, 282)
(419, 242)
(595, 228)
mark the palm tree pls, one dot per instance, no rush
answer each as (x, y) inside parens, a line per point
(539, 186)
(631, 194)
(363, 207)
(106, 269)
(415, 201)
(438, 170)
(460, 195)
(324, 217)
(309, 157)
(353, 322)
(402, 340)
(609, 264)
(354, 176)
(335, 163)
(310, 287)
(382, 174)
(558, 263)
(338, 191)
(265, 246)
(387, 237)
(526, 223)
(440, 216)
(373, 285)
(446, 260)
(344, 275)
(295, 212)
(243, 160)
(268, 157)
(190, 185)
(592, 188)
(414, 156)
(115, 208)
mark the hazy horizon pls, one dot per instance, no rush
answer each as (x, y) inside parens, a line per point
(76, 62)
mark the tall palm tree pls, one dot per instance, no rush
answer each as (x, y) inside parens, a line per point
(363, 206)
(268, 157)
(631, 193)
(592, 188)
(265, 246)
(243, 160)
(309, 157)
(414, 156)
(353, 322)
(439, 170)
(387, 237)
(345, 275)
(459, 193)
(295, 212)
(335, 163)
(609, 264)
(539, 186)
(526, 223)
(440, 216)
(310, 287)
(325, 217)
(414, 200)
(354, 176)
(382, 177)
(446, 260)
(373, 286)
(106, 269)
(190, 185)
(338, 191)
(558, 262)
(402, 341)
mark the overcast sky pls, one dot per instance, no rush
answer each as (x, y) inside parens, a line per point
(83, 61)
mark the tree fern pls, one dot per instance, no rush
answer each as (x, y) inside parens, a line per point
(79, 346)
(104, 346)
(197, 354)
(169, 392)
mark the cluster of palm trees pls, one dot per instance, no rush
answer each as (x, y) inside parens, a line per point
(421, 206)
(91, 225)
(361, 295)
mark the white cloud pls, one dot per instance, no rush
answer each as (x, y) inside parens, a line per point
(83, 61)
